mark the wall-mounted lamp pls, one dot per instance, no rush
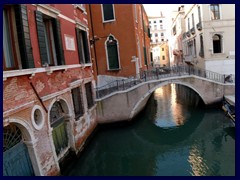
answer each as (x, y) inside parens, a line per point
(92, 41)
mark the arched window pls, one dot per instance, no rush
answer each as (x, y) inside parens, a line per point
(112, 53)
(217, 43)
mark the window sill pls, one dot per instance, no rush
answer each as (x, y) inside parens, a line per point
(114, 69)
(48, 70)
(108, 21)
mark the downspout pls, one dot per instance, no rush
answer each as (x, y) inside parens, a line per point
(94, 48)
(144, 37)
(40, 100)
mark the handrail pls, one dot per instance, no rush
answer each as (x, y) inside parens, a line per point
(156, 74)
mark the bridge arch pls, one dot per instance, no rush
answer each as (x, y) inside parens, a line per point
(161, 84)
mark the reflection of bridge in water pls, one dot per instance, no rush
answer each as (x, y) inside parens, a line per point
(124, 99)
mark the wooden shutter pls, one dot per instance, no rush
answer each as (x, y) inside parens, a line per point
(24, 41)
(145, 55)
(41, 37)
(79, 44)
(58, 41)
(86, 47)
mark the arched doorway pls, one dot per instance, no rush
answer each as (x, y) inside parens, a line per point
(57, 121)
(16, 160)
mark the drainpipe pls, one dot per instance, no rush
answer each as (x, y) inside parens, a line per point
(94, 48)
(144, 36)
(40, 100)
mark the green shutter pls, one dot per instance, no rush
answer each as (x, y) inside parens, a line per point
(113, 56)
(41, 37)
(24, 41)
(145, 55)
(86, 47)
(58, 41)
(80, 53)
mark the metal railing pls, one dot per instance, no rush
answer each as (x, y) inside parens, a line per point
(157, 74)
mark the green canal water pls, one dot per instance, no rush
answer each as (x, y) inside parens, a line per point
(174, 136)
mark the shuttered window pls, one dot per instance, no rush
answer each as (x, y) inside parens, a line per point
(88, 89)
(83, 46)
(49, 40)
(112, 54)
(77, 102)
(145, 55)
(108, 13)
(16, 38)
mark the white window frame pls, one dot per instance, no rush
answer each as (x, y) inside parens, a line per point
(113, 15)
(106, 50)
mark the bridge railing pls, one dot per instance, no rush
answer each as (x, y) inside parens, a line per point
(155, 74)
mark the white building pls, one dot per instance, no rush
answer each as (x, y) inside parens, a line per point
(158, 36)
(209, 40)
(176, 33)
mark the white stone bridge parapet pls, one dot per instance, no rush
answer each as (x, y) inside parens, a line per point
(126, 104)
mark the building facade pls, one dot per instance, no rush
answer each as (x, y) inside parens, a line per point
(209, 40)
(120, 43)
(48, 86)
(175, 39)
(159, 38)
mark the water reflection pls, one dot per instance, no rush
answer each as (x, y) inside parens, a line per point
(171, 103)
(199, 142)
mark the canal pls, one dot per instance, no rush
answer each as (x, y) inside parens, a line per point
(175, 135)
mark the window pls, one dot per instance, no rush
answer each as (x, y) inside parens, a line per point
(88, 89)
(83, 47)
(162, 34)
(195, 49)
(193, 20)
(77, 102)
(162, 39)
(17, 49)
(160, 21)
(199, 14)
(156, 40)
(161, 26)
(150, 35)
(149, 22)
(201, 52)
(112, 53)
(162, 49)
(163, 57)
(108, 12)
(155, 27)
(217, 43)
(156, 34)
(49, 40)
(188, 24)
(215, 13)
(154, 22)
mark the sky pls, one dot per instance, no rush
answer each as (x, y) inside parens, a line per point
(155, 9)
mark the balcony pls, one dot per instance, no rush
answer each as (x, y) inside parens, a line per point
(193, 31)
(199, 26)
(188, 33)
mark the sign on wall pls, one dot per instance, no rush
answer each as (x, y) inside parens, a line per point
(69, 41)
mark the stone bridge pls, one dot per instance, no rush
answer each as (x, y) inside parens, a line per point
(126, 104)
